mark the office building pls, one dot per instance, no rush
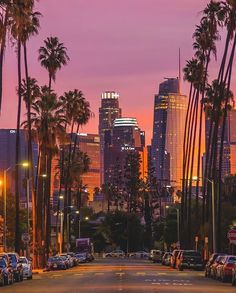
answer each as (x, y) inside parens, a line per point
(126, 137)
(108, 112)
(170, 108)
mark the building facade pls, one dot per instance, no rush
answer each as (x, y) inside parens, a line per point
(7, 159)
(126, 137)
(170, 108)
(108, 112)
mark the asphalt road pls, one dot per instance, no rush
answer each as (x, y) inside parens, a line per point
(108, 276)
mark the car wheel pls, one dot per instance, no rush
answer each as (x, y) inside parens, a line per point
(233, 281)
(223, 279)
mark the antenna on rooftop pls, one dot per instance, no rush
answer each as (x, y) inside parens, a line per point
(179, 71)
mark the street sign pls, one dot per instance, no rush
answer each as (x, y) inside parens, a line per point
(232, 236)
(25, 237)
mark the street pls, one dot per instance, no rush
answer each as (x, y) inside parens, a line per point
(120, 275)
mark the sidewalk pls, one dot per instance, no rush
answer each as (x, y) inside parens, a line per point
(38, 271)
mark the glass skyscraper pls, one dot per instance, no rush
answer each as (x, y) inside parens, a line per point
(170, 108)
(108, 112)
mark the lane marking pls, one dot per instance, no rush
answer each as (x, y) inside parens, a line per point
(141, 274)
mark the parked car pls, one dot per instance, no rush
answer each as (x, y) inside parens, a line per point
(224, 269)
(157, 256)
(215, 265)
(174, 257)
(56, 263)
(72, 255)
(81, 258)
(70, 261)
(89, 257)
(210, 263)
(27, 267)
(234, 274)
(189, 259)
(6, 273)
(166, 258)
(115, 253)
(5, 256)
(139, 254)
(17, 266)
(152, 252)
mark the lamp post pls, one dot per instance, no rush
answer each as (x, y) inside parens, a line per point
(213, 215)
(213, 212)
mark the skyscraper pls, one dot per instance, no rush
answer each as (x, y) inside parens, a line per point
(108, 112)
(170, 108)
(126, 137)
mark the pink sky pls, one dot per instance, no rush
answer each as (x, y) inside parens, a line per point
(126, 45)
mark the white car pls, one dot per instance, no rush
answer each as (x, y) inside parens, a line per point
(27, 267)
(69, 259)
(115, 253)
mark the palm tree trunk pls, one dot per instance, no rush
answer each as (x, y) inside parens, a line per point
(30, 154)
(48, 209)
(17, 195)
(195, 122)
(219, 212)
(2, 50)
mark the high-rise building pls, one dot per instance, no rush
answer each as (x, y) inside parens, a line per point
(229, 143)
(170, 108)
(90, 144)
(108, 112)
(126, 137)
(7, 158)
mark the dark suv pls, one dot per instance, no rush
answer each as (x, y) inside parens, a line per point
(190, 259)
(17, 266)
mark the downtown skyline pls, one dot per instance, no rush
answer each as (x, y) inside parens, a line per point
(131, 55)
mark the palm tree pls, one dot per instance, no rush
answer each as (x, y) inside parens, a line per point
(48, 127)
(19, 14)
(77, 109)
(52, 57)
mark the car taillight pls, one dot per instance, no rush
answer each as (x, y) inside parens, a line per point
(228, 266)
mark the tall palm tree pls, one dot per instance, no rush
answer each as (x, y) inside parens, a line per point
(19, 19)
(77, 109)
(52, 57)
(48, 127)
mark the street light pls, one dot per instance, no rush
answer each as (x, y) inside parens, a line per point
(86, 219)
(195, 178)
(178, 221)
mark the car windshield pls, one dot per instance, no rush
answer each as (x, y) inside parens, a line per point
(80, 255)
(23, 260)
(232, 260)
(13, 258)
(2, 263)
(54, 259)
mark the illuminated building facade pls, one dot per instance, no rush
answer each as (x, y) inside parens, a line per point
(170, 108)
(229, 146)
(108, 112)
(7, 158)
(126, 137)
